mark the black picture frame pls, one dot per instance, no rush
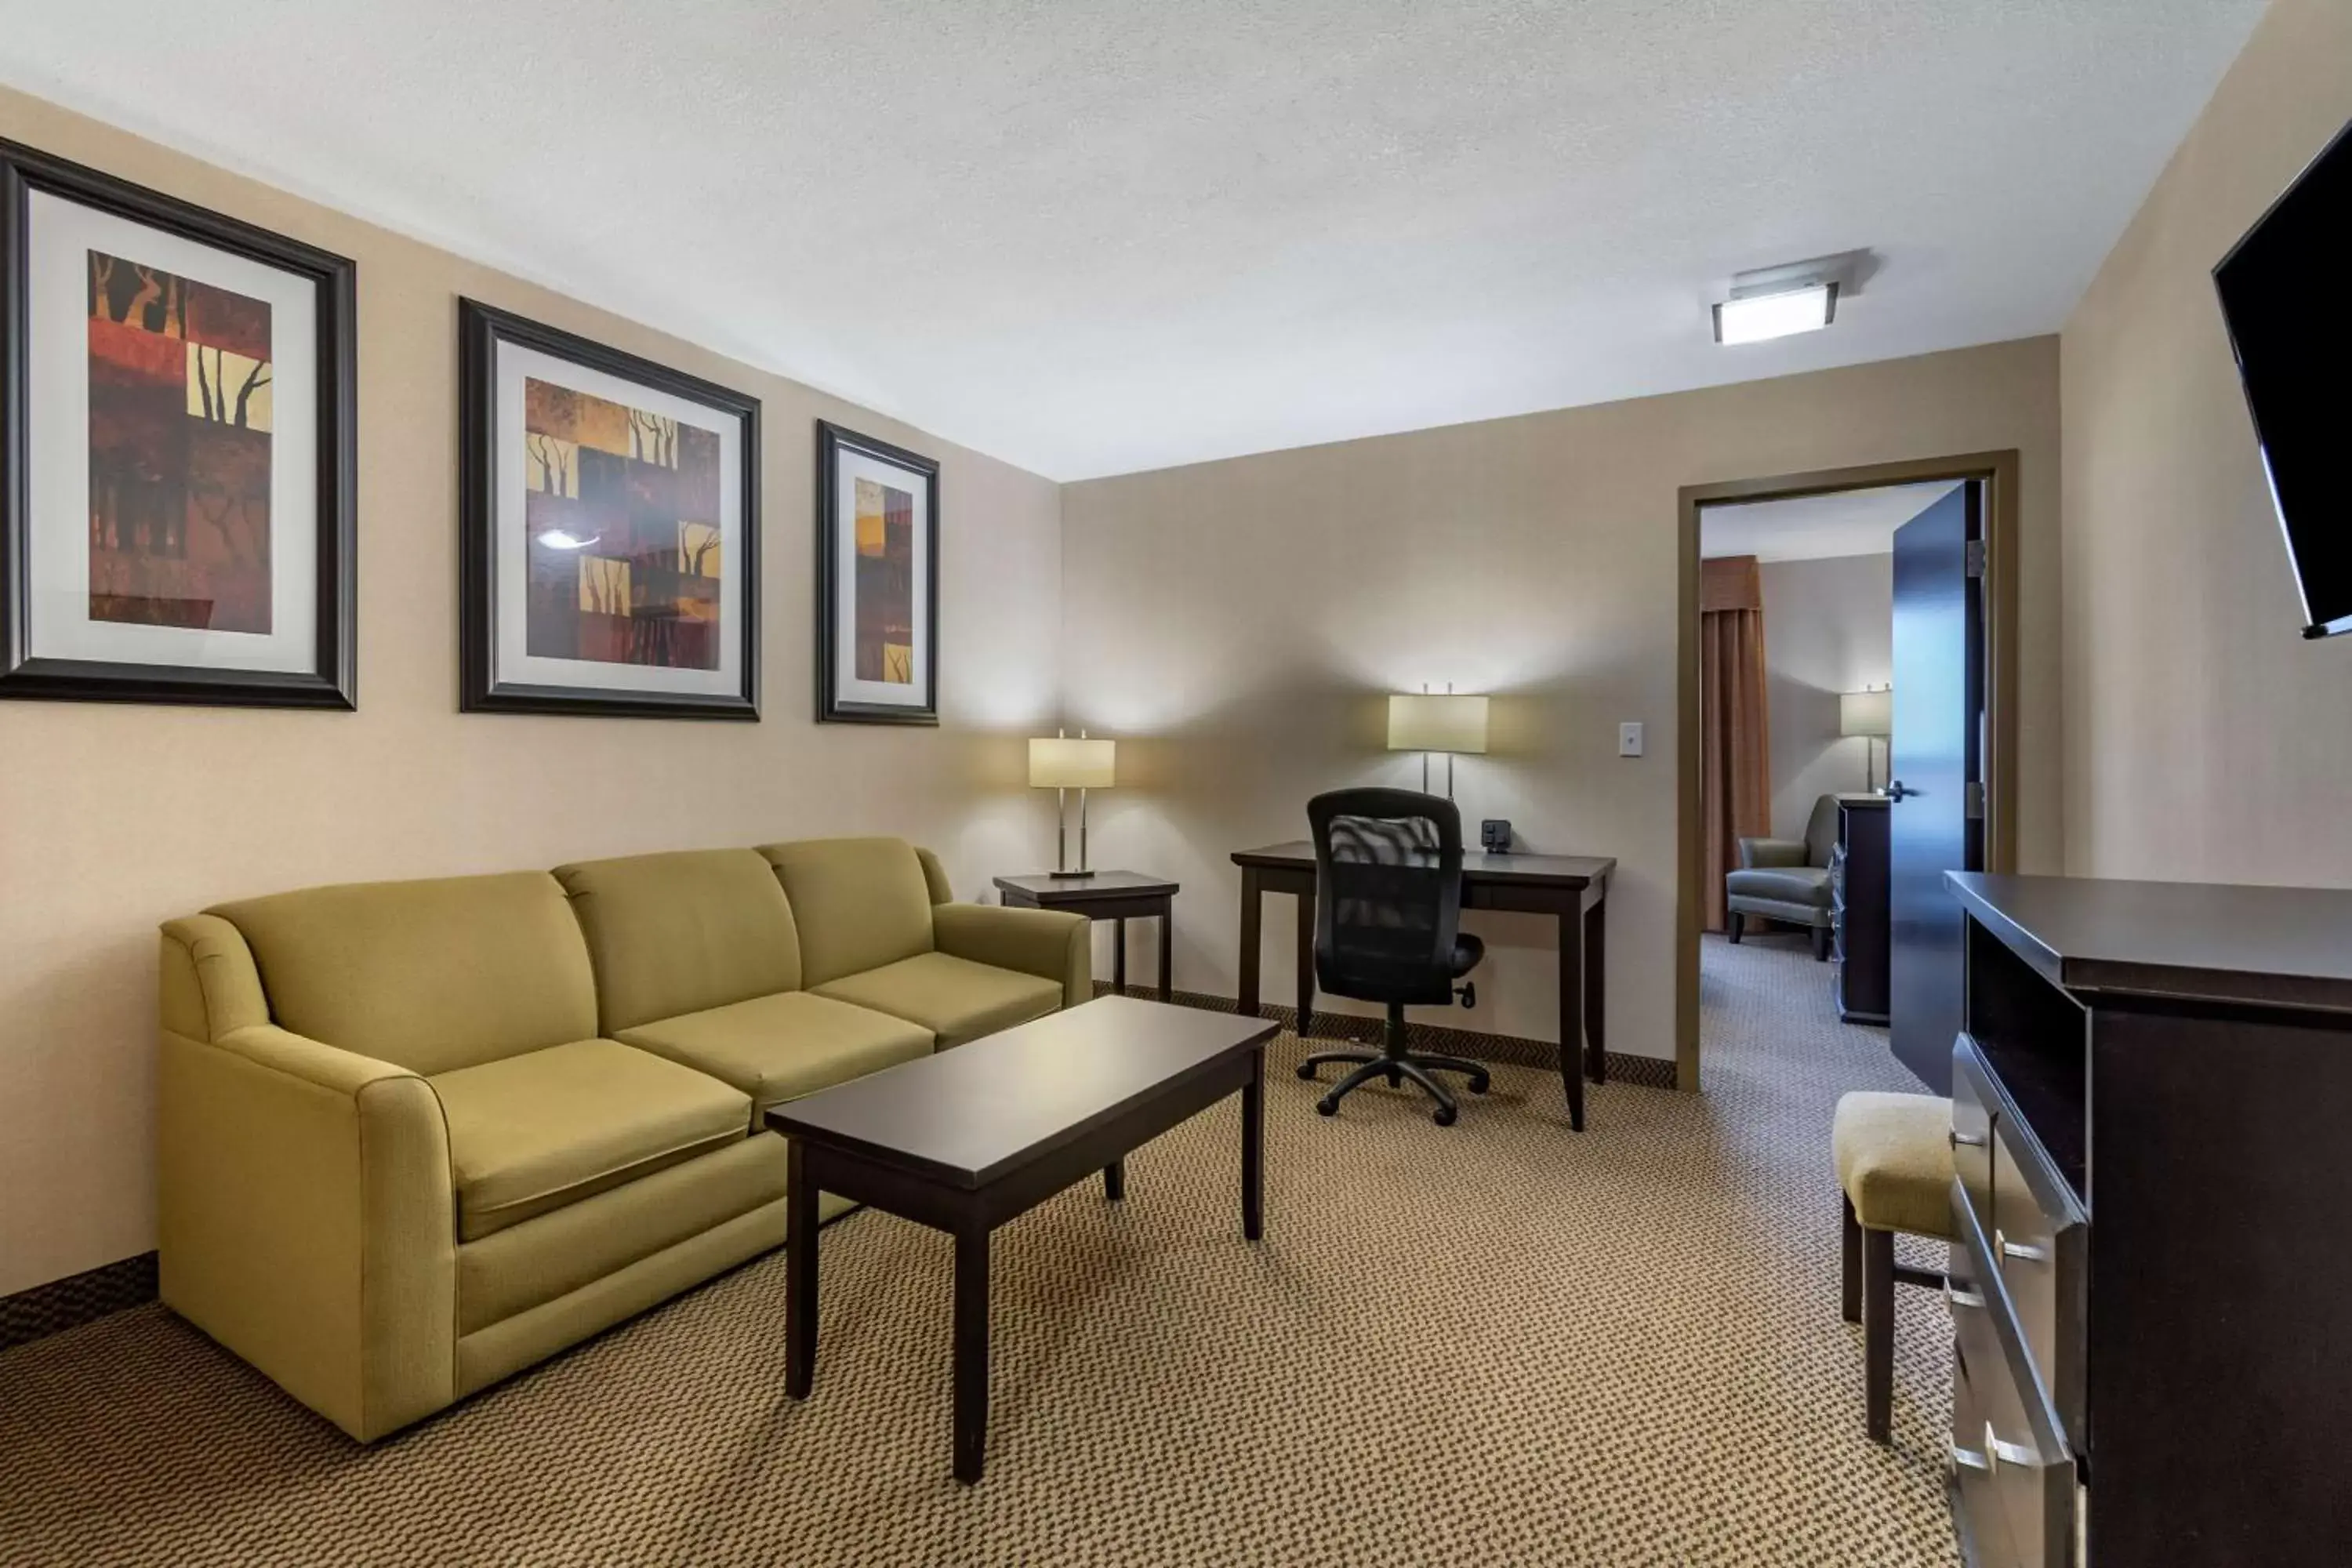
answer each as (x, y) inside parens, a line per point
(482, 329)
(332, 682)
(832, 441)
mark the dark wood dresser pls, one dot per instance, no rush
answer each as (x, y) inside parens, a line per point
(2151, 1290)
(1858, 928)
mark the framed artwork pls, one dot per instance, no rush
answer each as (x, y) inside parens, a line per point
(611, 520)
(178, 418)
(878, 574)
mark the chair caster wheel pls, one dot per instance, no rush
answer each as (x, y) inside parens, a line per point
(1444, 1116)
(1396, 1081)
(1479, 1084)
(1306, 1071)
(1327, 1107)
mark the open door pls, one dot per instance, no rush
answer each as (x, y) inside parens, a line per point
(1935, 771)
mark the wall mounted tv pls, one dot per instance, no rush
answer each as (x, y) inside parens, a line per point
(2282, 291)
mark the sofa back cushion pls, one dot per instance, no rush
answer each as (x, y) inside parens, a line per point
(428, 976)
(860, 903)
(683, 932)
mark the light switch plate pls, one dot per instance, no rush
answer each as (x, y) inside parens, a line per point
(1629, 740)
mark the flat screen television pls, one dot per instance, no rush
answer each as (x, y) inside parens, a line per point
(2282, 291)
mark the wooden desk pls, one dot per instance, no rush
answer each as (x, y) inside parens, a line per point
(1569, 887)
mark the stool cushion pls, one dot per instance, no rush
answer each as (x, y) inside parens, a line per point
(1894, 1161)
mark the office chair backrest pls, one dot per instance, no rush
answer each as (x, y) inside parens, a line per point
(1388, 871)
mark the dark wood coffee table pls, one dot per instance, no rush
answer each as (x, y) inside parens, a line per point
(968, 1139)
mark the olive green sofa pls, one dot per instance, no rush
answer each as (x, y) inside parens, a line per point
(413, 1137)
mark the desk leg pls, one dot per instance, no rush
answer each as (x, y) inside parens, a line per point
(1596, 980)
(1254, 1148)
(1118, 956)
(800, 1274)
(1167, 953)
(1253, 899)
(971, 1349)
(1306, 964)
(1571, 1013)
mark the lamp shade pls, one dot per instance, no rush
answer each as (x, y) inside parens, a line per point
(1866, 713)
(1061, 762)
(1436, 721)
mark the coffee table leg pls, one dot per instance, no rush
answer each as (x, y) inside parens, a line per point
(1254, 1148)
(970, 1350)
(1115, 1180)
(800, 1275)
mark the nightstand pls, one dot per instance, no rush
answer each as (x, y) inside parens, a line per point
(1117, 896)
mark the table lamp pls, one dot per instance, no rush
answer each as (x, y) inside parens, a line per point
(1870, 714)
(1430, 721)
(1062, 763)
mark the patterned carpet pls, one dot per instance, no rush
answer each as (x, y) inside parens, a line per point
(1498, 1343)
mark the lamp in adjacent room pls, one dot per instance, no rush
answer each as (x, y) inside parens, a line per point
(1870, 714)
(1063, 763)
(1428, 722)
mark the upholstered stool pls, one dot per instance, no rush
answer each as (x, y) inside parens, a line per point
(1895, 1162)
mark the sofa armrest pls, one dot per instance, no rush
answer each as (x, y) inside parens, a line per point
(207, 978)
(305, 1218)
(1757, 854)
(935, 876)
(1050, 943)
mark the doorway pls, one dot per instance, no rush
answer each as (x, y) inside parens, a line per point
(1958, 574)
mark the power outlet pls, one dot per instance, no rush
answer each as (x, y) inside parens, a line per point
(1629, 740)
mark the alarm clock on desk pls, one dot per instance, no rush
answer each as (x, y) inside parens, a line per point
(1495, 835)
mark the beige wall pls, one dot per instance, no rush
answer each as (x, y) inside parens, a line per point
(1236, 623)
(1829, 628)
(114, 819)
(2205, 739)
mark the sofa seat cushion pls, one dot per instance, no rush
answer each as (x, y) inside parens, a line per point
(775, 1048)
(954, 999)
(1786, 884)
(533, 1132)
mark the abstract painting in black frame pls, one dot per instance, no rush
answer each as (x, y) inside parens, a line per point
(178, 411)
(878, 573)
(611, 522)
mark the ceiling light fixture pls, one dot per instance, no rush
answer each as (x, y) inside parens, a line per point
(1777, 301)
(1761, 317)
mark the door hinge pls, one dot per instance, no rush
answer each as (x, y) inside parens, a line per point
(1972, 801)
(1976, 558)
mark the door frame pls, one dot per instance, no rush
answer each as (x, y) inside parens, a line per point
(1998, 473)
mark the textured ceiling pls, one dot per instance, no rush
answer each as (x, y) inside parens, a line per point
(1106, 235)
(1809, 528)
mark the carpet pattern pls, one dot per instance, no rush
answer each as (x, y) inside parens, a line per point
(1499, 1342)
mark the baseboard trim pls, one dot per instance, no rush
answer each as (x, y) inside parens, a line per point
(1516, 1050)
(75, 1299)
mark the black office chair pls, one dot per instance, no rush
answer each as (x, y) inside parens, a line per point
(1388, 883)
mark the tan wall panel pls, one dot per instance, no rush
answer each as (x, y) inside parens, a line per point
(113, 818)
(2205, 739)
(1236, 624)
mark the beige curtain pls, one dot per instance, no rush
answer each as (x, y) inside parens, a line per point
(1735, 767)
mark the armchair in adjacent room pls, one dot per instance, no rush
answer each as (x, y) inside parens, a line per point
(1787, 878)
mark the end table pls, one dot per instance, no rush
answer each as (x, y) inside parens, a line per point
(1117, 896)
